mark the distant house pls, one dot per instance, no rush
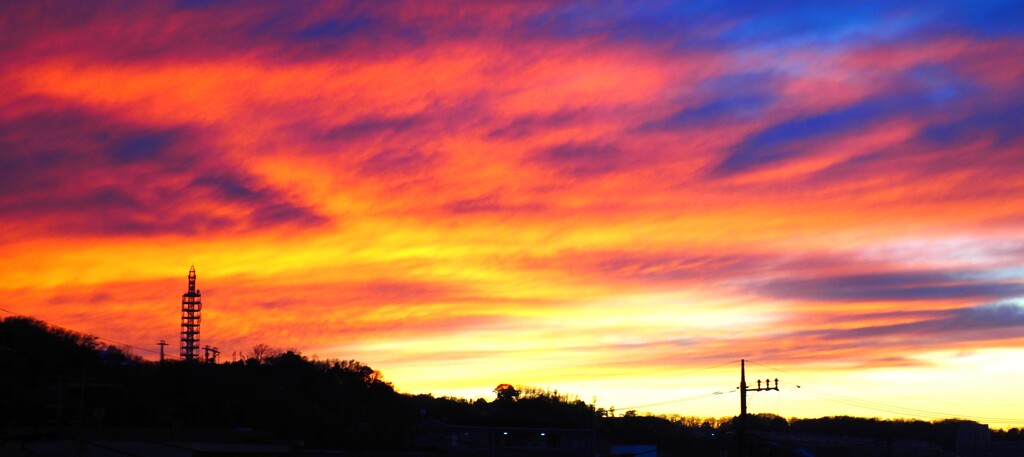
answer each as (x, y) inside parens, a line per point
(975, 440)
(500, 441)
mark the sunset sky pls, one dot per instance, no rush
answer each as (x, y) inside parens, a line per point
(615, 200)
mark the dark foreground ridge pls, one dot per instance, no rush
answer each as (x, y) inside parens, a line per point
(66, 394)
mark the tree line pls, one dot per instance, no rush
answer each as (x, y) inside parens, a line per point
(54, 377)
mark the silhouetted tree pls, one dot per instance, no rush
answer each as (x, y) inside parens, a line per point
(1012, 434)
(261, 352)
(506, 392)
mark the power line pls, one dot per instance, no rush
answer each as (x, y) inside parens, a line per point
(708, 368)
(679, 400)
(633, 382)
(67, 329)
(883, 407)
(773, 368)
(902, 410)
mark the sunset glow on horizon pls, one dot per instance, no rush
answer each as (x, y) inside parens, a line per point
(618, 201)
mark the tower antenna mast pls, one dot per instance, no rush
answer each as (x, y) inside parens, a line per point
(191, 314)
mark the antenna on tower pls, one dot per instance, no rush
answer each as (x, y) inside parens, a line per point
(191, 314)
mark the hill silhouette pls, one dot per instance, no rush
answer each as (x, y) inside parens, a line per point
(53, 379)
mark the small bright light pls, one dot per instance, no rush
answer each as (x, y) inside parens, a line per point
(543, 434)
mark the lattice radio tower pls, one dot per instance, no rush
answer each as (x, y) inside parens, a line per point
(191, 313)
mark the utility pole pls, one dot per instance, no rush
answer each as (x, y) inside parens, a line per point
(742, 435)
(207, 350)
(162, 343)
